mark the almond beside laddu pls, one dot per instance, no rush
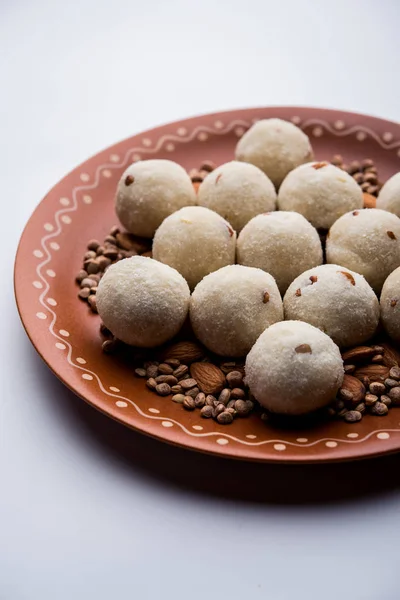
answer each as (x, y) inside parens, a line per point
(185, 352)
(358, 354)
(354, 385)
(209, 377)
(373, 372)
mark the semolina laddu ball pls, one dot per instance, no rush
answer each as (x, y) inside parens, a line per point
(390, 305)
(336, 300)
(195, 241)
(389, 196)
(231, 307)
(320, 192)
(142, 302)
(368, 242)
(281, 243)
(149, 191)
(274, 146)
(237, 191)
(294, 368)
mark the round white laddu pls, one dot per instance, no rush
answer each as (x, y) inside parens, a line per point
(149, 191)
(390, 305)
(320, 192)
(294, 368)
(276, 147)
(195, 241)
(366, 241)
(281, 243)
(336, 300)
(142, 302)
(231, 307)
(237, 191)
(389, 196)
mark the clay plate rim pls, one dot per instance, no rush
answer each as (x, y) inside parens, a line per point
(381, 139)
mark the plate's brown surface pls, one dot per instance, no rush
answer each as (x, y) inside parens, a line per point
(66, 334)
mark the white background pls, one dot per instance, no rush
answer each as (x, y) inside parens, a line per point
(89, 510)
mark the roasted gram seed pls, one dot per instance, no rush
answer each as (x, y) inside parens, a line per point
(225, 418)
(188, 403)
(163, 389)
(379, 408)
(207, 412)
(352, 416)
(140, 372)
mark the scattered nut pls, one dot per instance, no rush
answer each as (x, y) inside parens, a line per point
(141, 372)
(188, 403)
(163, 389)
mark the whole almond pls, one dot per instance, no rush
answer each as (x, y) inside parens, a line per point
(210, 378)
(358, 354)
(185, 352)
(352, 385)
(391, 356)
(373, 372)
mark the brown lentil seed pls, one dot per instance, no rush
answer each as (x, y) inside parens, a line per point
(193, 392)
(394, 373)
(165, 369)
(370, 399)
(207, 412)
(88, 282)
(114, 230)
(93, 290)
(111, 253)
(93, 302)
(225, 418)
(361, 408)
(109, 346)
(172, 362)
(346, 395)
(241, 408)
(210, 400)
(188, 403)
(224, 396)
(179, 398)
(93, 267)
(386, 400)
(394, 395)
(84, 293)
(163, 389)
(181, 371)
(176, 389)
(90, 254)
(220, 408)
(100, 250)
(151, 383)
(200, 400)
(391, 383)
(81, 276)
(338, 404)
(140, 372)
(352, 416)
(170, 379)
(93, 245)
(342, 412)
(188, 383)
(379, 408)
(234, 379)
(238, 394)
(250, 405)
(377, 388)
(103, 262)
(152, 371)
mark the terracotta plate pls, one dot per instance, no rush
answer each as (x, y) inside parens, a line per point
(66, 334)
